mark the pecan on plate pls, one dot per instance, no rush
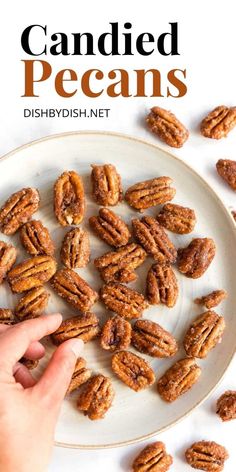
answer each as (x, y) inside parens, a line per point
(18, 209)
(150, 193)
(195, 259)
(6, 316)
(75, 290)
(178, 379)
(226, 406)
(106, 185)
(167, 127)
(29, 363)
(176, 218)
(80, 375)
(206, 455)
(96, 397)
(123, 300)
(162, 285)
(119, 265)
(75, 250)
(36, 238)
(32, 304)
(227, 170)
(150, 338)
(116, 334)
(31, 273)
(212, 299)
(203, 334)
(219, 122)
(133, 370)
(85, 327)
(69, 203)
(7, 259)
(153, 458)
(110, 228)
(151, 235)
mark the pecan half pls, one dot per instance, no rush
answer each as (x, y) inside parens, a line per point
(212, 299)
(97, 397)
(106, 185)
(110, 228)
(176, 218)
(116, 334)
(219, 122)
(122, 300)
(119, 265)
(36, 238)
(31, 273)
(150, 338)
(178, 379)
(162, 285)
(150, 193)
(18, 209)
(167, 127)
(29, 363)
(153, 458)
(75, 290)
(206, 455)
(6, 316)
(151, 235)
(133, 370)
(75, 250)
(32, 304)
(227, 170)
(7, 259)
(80, 375)
(203, 334)
(85, 327)
(194, 260)
(226, 406)
(69, 203)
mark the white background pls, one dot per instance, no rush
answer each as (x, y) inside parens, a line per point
(207, 51)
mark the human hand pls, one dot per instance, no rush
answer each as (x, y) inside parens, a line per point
(29, 409)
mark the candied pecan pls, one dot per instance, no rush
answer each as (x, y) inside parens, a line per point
(219, 122)
(162, 285)
(176, 218)
(75, 250)
(203, 334)
(69, 203)
(153, 458)
(212, 299)
(6, 316)
(18, 209)
(32, 304)
(226, 406)
(119, 265)
(80, 375)
(227, 170)
(178, 379)
(97, 397)
(110, 228)
(116, 334)
(167, 127)
(122, 300)
(133, 370)
(150, 193)
(195, 259)
(106, 185)
(150, 338)
(151, 235)
(206, 455)
(75, 290)
(7, 259)
(85, 327)
(36, 238)
(31, 273)
(29, 363)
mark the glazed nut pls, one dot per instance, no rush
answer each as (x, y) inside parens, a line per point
(106, 185)
(194, 260)
(212, 299)
(7, 259)
(203, 334)
(176, 218)
(18, 209)
(85, 327)
(178, 379)
(150, 193)
(116, 334)
(32, 304)
(80, 375)
(110, 228)
(31, 273)
(6, 316)
(219, 122)
(36, 238)
(75, 250)
(227, 170)
(150, 338)
(69, 203)
(161, 285)
(29, 363)
(123, 300)
(75, 290)
(167, 127)
(153, 458)
(206, 455)
(96, 398)
(226, 406)
(133, 370)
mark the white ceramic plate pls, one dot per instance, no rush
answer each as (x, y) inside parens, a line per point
(134, 416)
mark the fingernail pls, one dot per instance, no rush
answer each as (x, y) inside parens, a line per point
(77, 346)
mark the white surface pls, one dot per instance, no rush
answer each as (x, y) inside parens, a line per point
(207, 46)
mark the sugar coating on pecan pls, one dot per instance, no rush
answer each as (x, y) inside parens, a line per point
(7, 259)
(106, 185)
(226, 405)
(153, 458)
(227, 170)
(116, 334)
(75, 290)
(203, 334)
(6, 316)
(18, 209)
(110, 228)
(150, 338)
(75, 250)
(31, 273)
(219, 122)
(178, 379)
(123, 300)
(150, 193)
(80, 375)
(167, 127)
(161, 285)
(212, 299)
(36, 238)
(96, 397)
(85, 327)
(176, 218)
(207, 455)
(32, 304)
(194, 260)
(69, 202)
(133, 370)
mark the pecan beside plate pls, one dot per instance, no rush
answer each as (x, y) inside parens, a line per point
(167, 127)
(219, 122)
(207, 455)
(153, 458)
(227, 170)
(226, 405)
